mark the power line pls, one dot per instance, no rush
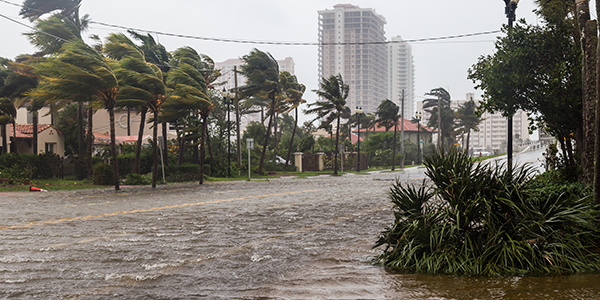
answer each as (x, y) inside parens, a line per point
(240, 41)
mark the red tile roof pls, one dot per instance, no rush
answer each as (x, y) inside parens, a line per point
(26, 130)
(408, 126)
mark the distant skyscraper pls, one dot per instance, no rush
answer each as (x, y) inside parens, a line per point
(401, 75)
(353, 45)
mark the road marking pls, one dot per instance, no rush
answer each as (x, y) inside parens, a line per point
(148, 209)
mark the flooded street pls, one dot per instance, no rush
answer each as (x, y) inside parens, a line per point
(286, 238)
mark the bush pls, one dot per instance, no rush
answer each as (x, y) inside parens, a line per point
(103, 174)
(479, 219)
(137, 179)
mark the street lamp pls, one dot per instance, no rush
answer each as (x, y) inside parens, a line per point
(227, 101)
(359, 112)
(418, 116)
(509, 10)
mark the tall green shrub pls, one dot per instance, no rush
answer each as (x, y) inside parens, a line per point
(479, 219)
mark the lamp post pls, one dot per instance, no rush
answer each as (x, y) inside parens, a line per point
(227, 95)
(418, 116)
(359, 112)
(509, 10)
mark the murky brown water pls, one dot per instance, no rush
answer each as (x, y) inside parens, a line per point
(281, 239)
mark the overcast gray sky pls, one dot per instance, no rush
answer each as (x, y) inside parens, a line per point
(437, 63)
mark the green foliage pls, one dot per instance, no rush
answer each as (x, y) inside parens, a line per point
(137, 179)
(478, 219)
(183, 173)
(103, 174)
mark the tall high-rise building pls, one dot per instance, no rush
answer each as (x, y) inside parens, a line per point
(401, 73)
(352, 43)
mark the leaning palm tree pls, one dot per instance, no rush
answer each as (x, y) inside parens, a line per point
(332, 103)
(67, 25)
(388, 116)
(263, 78)
(438, 105)
(141, 84)
(80, 71)
(293, 91)
(8, 113)
(468, 119)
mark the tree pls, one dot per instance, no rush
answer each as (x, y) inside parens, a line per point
(8, 113)
(536, 69)
(468, 119)
(388, 114)
(263, 79)
(141, 84)
(329, 107)
(439, 108)
(80, 71)
(67, 25)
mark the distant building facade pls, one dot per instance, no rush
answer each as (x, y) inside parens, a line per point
(493, 130)
(352, 43)
(401, 74)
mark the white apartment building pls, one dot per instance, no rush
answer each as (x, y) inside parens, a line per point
(228, 76)
(401, 75)
(492, 134)
(352, 43)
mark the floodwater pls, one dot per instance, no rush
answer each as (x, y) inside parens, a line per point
(288, 238)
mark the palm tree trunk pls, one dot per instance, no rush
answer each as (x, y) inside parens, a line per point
(35, 132)
(113, 146)
(264, 151)
(155, 148)
(202, 150)
(468, 138)
(337, 141)
(164, 134)
(394, 148)
(4, 143)
(287, 159)
(597, 124)
(195, 140)
(181, 148)
(90, 143)
(80, 127)
(138, 147)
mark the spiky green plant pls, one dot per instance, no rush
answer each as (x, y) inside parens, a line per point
(480, 219)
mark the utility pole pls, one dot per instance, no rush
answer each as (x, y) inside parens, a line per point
(237, 117)
(402, 133)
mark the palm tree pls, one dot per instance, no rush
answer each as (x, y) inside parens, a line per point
(388, 116)
(65, 24)
(468, 119)
(332, 103)
(294, 92)
(157, 54)
(439, 107)
(8, 113)
(263, 79)
(141, 84)
(79, 71)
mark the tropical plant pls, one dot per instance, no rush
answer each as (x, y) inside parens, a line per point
(388, 114)
(442, 116)
(263, 80)
(481, 219)
(79, 71)
(469, 119)
(141, 84)
(329, 107)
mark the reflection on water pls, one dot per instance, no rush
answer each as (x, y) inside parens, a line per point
(420, 286)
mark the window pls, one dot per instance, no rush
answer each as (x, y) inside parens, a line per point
(50, 147)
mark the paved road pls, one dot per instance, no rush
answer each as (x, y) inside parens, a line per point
(293, 238)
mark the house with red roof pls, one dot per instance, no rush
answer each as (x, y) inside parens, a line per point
(411, 131)
(50, 139)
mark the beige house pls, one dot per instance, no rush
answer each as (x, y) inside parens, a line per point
(50, 139)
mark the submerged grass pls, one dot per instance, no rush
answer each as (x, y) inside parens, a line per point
(479, 219)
